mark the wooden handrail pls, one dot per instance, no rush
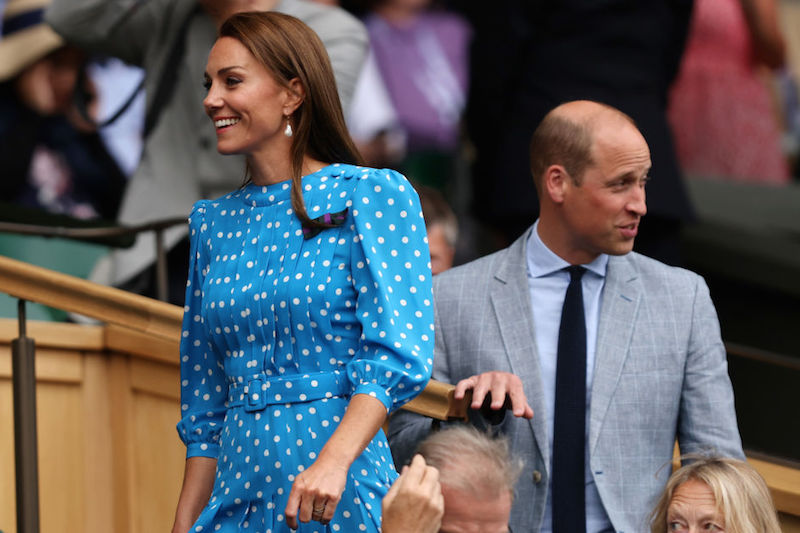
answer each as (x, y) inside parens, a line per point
(155, 320)
(107, 304)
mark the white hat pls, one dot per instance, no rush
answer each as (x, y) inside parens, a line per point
(25, 36)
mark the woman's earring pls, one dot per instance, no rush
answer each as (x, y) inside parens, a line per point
(288, 130)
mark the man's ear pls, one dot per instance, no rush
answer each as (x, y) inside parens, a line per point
(554, 183)
(296, 95)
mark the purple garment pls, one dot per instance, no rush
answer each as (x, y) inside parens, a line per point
(424, 66)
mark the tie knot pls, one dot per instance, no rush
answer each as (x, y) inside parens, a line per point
(576, 272)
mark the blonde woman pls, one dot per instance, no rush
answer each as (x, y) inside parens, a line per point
(715, 494)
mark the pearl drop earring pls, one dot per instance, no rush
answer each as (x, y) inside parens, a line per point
(288, 130)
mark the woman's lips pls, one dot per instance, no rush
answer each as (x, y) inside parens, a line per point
(221, 123)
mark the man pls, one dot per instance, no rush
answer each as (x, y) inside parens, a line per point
(651, 367)
(528, 57)
(461, 481)
(180, 164)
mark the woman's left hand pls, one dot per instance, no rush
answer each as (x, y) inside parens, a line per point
(316, 493)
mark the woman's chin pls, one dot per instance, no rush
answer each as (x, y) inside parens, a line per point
(227, 150)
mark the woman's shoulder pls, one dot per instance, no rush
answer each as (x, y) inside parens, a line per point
(205, 209)
(381, 183)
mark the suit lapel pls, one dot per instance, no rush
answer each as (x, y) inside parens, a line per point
(621, 294)
(510, 296)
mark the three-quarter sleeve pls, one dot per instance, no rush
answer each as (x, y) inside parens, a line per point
(392, 277)
(203, 386)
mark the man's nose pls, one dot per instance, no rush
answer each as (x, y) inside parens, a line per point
(637, 202)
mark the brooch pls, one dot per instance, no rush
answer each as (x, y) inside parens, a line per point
(328, 220)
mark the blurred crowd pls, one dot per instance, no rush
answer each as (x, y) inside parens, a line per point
(446, 92)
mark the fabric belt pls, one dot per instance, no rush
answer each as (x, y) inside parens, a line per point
(257, 391)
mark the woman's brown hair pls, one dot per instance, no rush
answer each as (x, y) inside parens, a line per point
(289, 49)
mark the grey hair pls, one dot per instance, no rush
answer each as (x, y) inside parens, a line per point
(472, 461)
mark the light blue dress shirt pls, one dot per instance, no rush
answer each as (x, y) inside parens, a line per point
(547, 282)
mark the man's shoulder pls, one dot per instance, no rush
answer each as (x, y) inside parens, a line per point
(654, 274)
(476, 273)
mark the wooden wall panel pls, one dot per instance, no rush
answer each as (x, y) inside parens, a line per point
(8, 519)
(60, 414)
(61, 430)
(158, 460)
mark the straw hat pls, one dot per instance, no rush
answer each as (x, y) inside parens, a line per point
(25, 37)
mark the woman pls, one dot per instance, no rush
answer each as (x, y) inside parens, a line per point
(721, 110)
(309, 310)
(715, 494)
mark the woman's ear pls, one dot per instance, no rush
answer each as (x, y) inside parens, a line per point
(296, 94)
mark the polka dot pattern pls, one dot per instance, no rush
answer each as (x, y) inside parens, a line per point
(266, 306)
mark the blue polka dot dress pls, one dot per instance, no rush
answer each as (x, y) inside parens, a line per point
(282, 327)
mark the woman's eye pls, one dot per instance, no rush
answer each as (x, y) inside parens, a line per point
(230, 81)
(207, 84)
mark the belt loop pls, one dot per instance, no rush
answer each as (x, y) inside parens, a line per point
(256, 394)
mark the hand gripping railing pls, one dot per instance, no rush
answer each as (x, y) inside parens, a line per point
(158, 320)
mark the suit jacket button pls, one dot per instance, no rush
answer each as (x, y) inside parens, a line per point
(537, 477)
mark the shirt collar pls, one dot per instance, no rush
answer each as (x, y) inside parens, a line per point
(543, 262)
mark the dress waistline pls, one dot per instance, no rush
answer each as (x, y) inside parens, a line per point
(258, 391)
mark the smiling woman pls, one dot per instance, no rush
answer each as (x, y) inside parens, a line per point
(715, 494)
(308, 308)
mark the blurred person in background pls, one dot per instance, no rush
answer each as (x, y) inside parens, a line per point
(53, 158)
(422, 55)
(442, 226)
(171, 40)
(721, 110)
(715, 494)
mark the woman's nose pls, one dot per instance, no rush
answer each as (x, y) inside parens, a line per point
(211, 101)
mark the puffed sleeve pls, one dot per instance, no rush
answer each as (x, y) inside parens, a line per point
(392, 276)
(203, 388)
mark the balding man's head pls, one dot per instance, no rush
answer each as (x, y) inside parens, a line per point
(565, 137)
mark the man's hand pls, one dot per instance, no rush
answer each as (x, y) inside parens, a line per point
(500, 384)
(414, 503)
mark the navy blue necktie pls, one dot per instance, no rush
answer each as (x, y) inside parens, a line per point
(569, 428)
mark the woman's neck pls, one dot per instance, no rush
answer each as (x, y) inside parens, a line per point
(267, 170)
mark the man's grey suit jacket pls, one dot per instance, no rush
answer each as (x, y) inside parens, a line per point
(660, 375)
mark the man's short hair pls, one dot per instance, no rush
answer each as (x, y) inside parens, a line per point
(561, 140)
(472, 461)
